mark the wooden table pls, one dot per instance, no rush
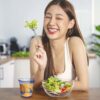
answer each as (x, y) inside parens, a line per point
(14, 94)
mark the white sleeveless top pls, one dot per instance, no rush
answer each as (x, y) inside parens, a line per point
(67, 74)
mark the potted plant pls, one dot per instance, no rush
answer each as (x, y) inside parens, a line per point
(21, 54)
(96, 42)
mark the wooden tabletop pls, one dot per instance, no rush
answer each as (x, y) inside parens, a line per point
(14, 94)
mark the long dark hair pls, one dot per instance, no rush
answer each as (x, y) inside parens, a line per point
(75, 31)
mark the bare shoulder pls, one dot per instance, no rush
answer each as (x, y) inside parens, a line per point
(75, 40)
(75, 43)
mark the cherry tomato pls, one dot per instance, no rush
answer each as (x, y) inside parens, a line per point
(64, 89)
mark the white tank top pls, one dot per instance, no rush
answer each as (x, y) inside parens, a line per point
(67, 74)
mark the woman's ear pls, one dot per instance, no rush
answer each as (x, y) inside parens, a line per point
(71, 24)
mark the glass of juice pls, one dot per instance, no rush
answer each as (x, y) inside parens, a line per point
(26, 87)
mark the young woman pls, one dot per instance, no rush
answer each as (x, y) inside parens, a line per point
(60, 51)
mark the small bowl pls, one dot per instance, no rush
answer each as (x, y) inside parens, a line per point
(54, 94)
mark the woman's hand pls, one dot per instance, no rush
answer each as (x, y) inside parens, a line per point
(40, 57)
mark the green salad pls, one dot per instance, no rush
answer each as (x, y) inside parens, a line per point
(54, 84)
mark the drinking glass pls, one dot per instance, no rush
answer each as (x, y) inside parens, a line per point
(26, 87)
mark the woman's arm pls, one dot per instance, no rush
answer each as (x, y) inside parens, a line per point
(37, 62)
(79, 58)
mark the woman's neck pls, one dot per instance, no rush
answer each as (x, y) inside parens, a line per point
(57, 45)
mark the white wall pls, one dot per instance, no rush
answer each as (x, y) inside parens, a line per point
(13, 15)
(94, 69)
(94, 72)
(83, 10)
(1, 20)
(96, 12)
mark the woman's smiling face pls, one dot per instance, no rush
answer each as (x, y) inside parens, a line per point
(56, 22)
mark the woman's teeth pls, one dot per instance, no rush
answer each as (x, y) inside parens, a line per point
(52, 30)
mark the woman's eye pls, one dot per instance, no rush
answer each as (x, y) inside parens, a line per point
(58, 18)
(48, 17)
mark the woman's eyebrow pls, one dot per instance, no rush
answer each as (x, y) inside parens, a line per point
(59, 15)
(55, 14)
(47, 13)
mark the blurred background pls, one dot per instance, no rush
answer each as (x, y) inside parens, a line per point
(15, 37)
(14, 13)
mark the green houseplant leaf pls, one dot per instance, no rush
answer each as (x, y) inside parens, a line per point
(97, 28)
(96, 35)
(96, 43)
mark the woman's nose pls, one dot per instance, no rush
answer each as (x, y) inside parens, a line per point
(52, 21)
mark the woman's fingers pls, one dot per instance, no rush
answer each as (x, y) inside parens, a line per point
(40, 49)
(40, 56)
(39, 46)
(40, 52)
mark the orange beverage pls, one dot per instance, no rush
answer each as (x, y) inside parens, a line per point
(26, 87)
